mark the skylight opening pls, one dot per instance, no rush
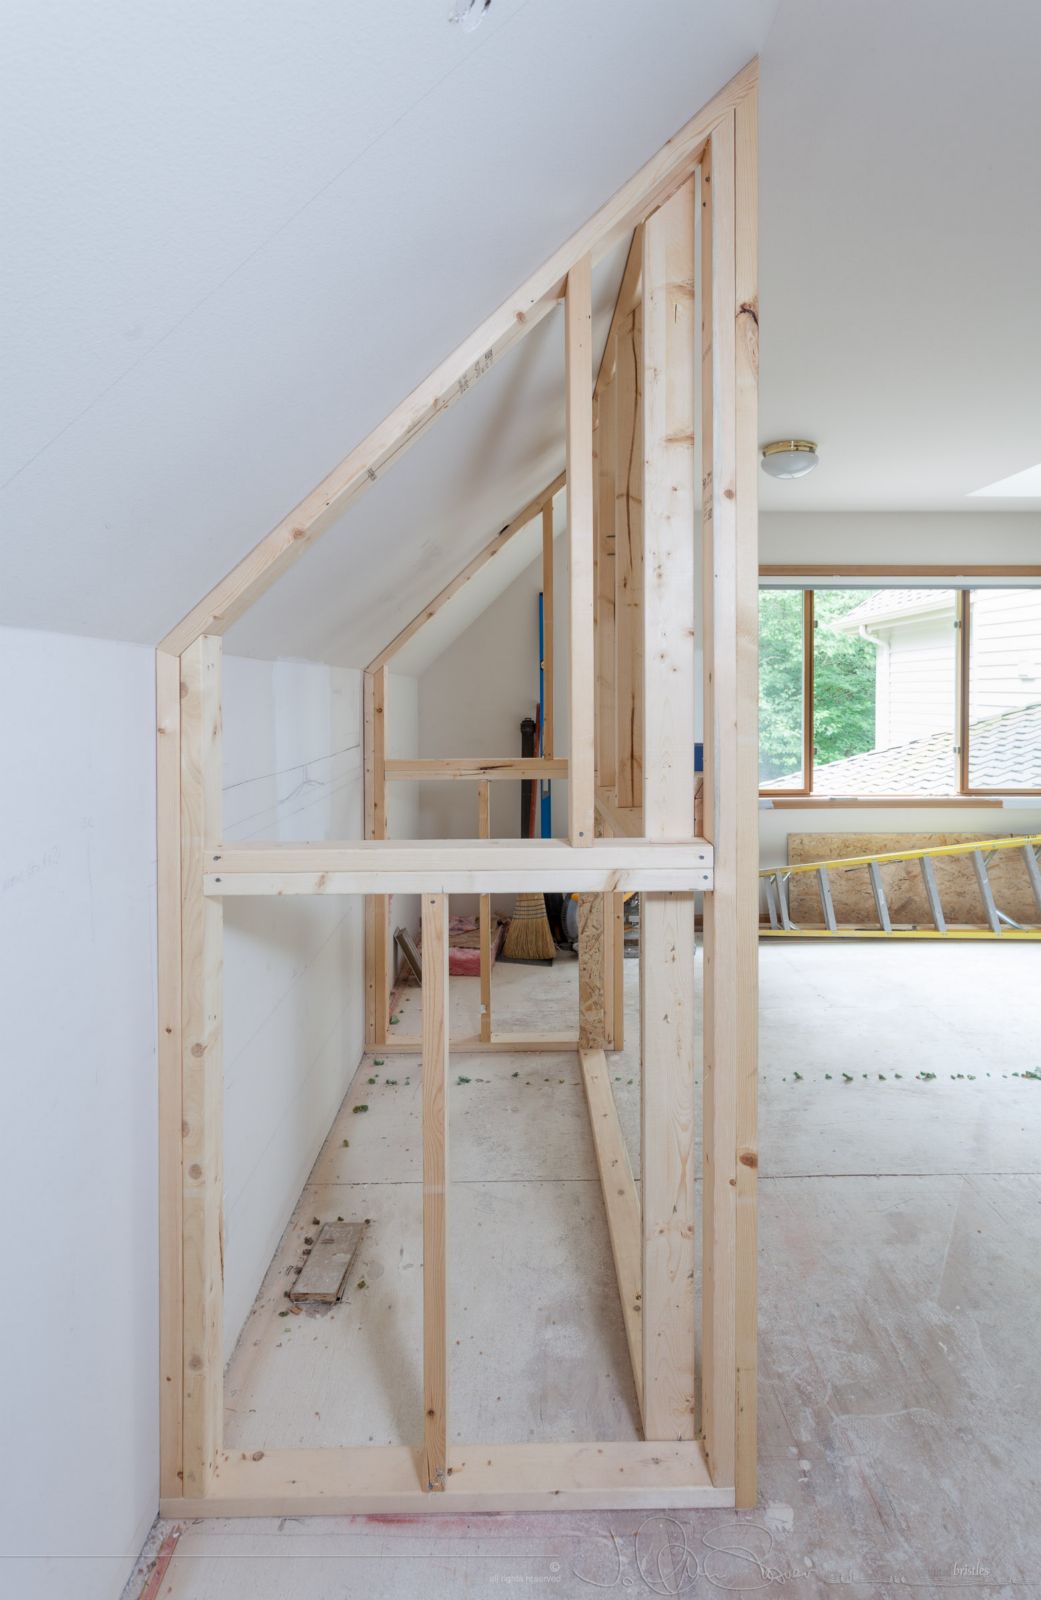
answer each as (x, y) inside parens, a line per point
(1025, 485)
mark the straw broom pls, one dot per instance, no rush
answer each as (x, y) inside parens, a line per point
(528, 938)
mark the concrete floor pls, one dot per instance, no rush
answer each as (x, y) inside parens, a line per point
(899, 1273)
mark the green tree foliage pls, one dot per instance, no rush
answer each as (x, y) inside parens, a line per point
(844, 682)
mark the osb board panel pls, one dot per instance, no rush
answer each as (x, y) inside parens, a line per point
(591, 1017)
(325, 1271)
(905, 894)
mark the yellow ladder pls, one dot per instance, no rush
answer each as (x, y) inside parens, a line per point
(982, 852)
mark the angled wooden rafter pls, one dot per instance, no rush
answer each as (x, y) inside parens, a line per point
(528, 514)
(256, 572)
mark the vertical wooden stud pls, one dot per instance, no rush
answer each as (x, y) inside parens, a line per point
(581, 679)
(201, 1068)
(606, 721)
(377, 907)
(731, 813)
(628, 529)
(368, 773)
(547, 627)
(168, 842)
(618, 953)
(609, 969)
(435, 1185)
(667, 920)
(746, 848)
(485, 915)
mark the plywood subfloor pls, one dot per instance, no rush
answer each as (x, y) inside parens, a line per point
(538, 1348)
(900, 1295)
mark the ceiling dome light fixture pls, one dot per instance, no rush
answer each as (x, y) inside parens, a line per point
(790, 458)
(468, 12)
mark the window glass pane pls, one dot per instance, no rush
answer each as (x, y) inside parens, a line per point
(1005, 689)
(780, 688)
(884, 665)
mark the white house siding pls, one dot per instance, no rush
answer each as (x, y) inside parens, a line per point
(915, 679)
(1005, 664)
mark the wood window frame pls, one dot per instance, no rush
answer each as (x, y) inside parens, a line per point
(963, 581)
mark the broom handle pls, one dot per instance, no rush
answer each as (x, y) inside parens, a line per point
(527, 729)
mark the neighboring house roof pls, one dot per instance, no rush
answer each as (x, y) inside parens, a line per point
(1005, 751)
(893, 605)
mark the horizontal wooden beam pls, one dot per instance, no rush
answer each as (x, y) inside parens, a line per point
(447, 866)
(481, 559)
(473, 1044)
(382, 1479)
(474, 767)
(621, 1203)
(477, 354)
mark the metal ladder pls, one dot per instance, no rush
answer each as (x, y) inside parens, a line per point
(998, 924)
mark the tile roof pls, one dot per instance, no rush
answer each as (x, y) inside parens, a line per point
(1005, 753)
(887, 603)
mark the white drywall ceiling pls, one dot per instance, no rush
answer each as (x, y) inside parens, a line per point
(900, 243)
(238, 235)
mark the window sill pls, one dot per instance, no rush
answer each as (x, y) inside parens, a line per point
(816, 802)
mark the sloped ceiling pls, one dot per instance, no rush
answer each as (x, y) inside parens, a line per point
(239, 234)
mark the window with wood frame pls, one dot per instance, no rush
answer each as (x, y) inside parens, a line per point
(902, 693)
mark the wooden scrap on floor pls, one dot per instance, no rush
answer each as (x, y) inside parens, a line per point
(406, 944)
(325, 1272)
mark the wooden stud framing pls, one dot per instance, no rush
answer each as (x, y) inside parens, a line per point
(435, 1189)
(578, 311)
(388, 1479)
(730, 354)
(606, 716)
(485, 917)
(745, 646)
(467, 364)
(168, 839)
(618, 958)
(667, 920)
(621, 1203)
(377, 908)
(450, 866)
(455, 768)
(547, 629)
(628, 529)
(630, 775)
(541, 503)
(201, 1069)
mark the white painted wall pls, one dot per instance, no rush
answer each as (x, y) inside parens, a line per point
(78, 1339)
(78, 1141)
(934, 538)
(293, 967)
